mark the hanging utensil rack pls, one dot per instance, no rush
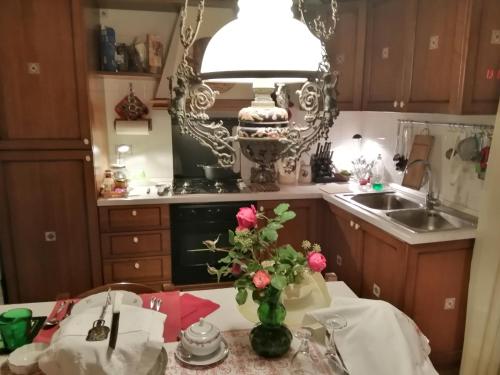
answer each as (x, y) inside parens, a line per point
(452, 125)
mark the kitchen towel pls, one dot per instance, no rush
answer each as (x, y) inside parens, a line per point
(193, 308)
(170, 306)
(378, 339)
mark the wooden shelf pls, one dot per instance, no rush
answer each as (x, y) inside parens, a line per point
(130, 75)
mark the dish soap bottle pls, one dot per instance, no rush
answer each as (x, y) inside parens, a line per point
(377, 174)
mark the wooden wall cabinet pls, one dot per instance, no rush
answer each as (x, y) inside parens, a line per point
(135, 244)
(346, 51)
(303, 227)
(428, 282)
(49, 242)
(43, 96)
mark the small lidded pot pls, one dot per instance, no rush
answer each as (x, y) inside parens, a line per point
(201, 339)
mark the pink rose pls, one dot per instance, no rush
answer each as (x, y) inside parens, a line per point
(316, 261)
(236, 269)
(261, 279)
(247, 218)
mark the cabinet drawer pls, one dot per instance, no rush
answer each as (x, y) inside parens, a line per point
(135, 244)
(137, 269)
(129, 218)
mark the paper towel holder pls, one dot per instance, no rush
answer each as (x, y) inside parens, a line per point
(135, 127)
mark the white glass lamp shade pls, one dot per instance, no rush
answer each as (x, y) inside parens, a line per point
(265, 41)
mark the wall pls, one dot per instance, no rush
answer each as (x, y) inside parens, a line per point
(379, 130)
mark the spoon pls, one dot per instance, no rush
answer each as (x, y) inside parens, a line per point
(49, 323)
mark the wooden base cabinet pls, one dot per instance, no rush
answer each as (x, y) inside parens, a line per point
(428, 282)
(135, 243)
(48, 230)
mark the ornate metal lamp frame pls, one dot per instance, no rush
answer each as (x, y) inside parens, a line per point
(191, 97)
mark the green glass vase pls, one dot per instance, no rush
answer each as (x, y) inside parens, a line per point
(271, 338)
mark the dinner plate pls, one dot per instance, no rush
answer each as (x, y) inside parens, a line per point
(202, 361)
(160, 367)
(99, 299)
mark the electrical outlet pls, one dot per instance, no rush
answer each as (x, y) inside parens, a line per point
(339, 261)
(376, 290)
(495, 36)
(449, 303)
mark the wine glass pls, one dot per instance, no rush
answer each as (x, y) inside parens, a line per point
(302, 362)
(332, 354)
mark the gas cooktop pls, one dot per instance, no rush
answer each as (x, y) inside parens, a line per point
(204, 186)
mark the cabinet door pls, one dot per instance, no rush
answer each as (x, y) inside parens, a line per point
(43, 93)
(385, 48)
(482, 82)
(342, 247)
(432, 69)
(49, 234)
(303, 227)
(346, 51)
(383, 266)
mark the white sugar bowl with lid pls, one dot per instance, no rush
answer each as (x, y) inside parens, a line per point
(201, 339)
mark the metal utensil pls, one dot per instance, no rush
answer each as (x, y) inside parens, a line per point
(115, 322)
(49, 323)
(99, 330)
(158, 304)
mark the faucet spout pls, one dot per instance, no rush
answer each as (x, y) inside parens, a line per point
(431, 200)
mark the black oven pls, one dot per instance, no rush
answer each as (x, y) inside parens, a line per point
(191, 224)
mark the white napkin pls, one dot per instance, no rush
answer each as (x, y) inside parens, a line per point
(140, 339)
(379, 339)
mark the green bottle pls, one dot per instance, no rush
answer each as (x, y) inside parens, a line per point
(378, 174)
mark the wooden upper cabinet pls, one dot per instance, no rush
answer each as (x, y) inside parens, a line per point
(385, 48)
(43, 103)
(482, 79)
(432, 66)
(346, 51)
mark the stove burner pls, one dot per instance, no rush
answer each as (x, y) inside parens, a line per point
(204, 186)
(219, 187)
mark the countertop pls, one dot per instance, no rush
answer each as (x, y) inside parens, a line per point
(317, 191)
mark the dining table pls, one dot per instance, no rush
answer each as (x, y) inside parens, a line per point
(227, 318)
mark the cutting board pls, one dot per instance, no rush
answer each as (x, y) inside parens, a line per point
(420, 149)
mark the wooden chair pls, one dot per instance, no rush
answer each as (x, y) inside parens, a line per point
(130, 287)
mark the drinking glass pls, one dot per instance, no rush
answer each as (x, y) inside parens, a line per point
(332, 353)
(15, 328)
(302, 362)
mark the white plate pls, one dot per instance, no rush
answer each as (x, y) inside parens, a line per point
(24, 360)
(99, 299)
(196, 361)
(160, 367)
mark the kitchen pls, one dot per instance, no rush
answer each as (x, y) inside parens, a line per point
(408, 70)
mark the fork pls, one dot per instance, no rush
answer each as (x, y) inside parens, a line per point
(152, 303)
(158, 304)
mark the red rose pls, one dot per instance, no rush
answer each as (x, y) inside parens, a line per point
(247, 218)
(316, 261)
(261, 279)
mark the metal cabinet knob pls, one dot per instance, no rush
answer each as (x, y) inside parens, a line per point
(401, 104)
(351, 223)
(134, 213)
(86, 141)
(376, 290)
(395, 104)
(356, 226)
(88, 158)
(137, 265)
(135, 239)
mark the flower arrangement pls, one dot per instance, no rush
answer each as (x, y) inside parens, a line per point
(255, 259)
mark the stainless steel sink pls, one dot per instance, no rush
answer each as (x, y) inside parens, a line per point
(422, 220)
(384, 201)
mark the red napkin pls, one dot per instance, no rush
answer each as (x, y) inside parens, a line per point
(193, 308)
(170, 306)
(45, 335)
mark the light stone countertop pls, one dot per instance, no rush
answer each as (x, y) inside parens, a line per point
(291, 192)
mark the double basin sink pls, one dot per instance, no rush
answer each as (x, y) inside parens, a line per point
(409, 213)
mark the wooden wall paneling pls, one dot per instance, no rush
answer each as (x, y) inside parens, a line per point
(42, 69)
(347, 51)
(481, 90)
(437, 272)
(384, 56)
(48, 192)
(433, 63)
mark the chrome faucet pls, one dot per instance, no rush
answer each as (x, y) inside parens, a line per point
(431, 201)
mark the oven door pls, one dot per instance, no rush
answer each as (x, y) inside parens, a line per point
(191, 225)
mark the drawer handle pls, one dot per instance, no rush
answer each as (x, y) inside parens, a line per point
(351, 223)
(395, 104)
(356, 226)
(135, 239)
(401, 104)
(134, 213)
(137, 265)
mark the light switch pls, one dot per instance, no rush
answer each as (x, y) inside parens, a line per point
(434, 42)
(50, 236)
(339, 261)
(495, 36)
(376, 290)
(449, 303)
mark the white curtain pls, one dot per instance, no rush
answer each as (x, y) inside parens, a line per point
(481, 355)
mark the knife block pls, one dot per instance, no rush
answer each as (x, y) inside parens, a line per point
(322, 169)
